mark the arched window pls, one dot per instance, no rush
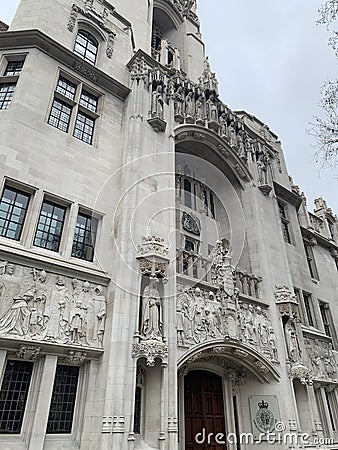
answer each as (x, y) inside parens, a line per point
(86, 46)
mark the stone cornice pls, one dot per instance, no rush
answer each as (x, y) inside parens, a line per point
(35, 38)
(55, 263)
(288, 195)
(321, 240)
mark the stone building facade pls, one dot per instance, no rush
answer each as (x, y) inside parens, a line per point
(162, 281)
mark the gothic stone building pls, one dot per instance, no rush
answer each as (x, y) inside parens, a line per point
(163, 284)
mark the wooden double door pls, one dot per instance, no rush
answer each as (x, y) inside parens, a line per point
(204, 410)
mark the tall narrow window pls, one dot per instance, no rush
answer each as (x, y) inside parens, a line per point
(332, 407)
(13, 395)
(86, 46)
(61, 412)
(50, 225)
(310, 260)
(187, 192)
(212, 205)
(137, 410)
(308, 308)
(84, 238)
(13, 209)
(325, 313)
(284, 222)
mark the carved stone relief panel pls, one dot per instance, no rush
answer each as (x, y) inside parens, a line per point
(321, 359)
(204, 315)
(42, 306)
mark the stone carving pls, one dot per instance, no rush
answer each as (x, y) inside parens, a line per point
(191, 223)
(292, 342)
(52, 308)
(300, 371)
(322, 359)
(75, 357)
(151, 350)
(110, 44)
(86, 72)
(157, 102)
(222, 271)
(203, 315)
(99, 16)
(29, 352)
(151, 320)
(73, 17)
(153, 245)
(139, 70)
(9, 286)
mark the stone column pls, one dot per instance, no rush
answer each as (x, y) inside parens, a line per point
(229, 378)
(3, 354)
(39, 426)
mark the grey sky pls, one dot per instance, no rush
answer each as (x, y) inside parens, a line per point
(271, 60)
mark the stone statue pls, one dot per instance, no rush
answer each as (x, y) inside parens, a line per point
(151, 312)
(292, 343)
(189, 104)
(157, 102)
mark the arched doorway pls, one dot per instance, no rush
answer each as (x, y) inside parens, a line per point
(204, 410)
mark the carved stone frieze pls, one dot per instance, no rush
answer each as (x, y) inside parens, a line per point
(203, 315)
(86, 72)
(151, 350)
(321, 360)
(42, 306)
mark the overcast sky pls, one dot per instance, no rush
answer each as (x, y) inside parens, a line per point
(271, 60)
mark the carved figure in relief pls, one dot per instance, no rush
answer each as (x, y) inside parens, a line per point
(151, 311)
(40, 293)
(56, 311)
(180, 325)
(9, 287)
(96, 314)
(76, 322)
(76, 289)
(16, 320)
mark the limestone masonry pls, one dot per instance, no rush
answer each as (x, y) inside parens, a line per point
(163, 283)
